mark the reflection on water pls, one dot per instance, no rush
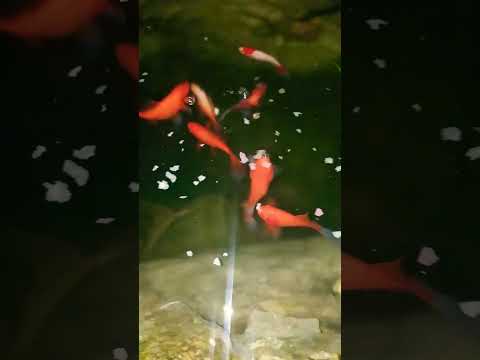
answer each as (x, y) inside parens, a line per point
(212, 286)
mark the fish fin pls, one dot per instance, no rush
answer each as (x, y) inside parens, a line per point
(303, 216)
(271, 201)
(282, 70)
(274, 231)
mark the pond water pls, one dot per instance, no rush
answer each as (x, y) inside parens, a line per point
(210, 286)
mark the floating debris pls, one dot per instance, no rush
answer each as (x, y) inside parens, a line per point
(417, 107)
(39, 150)
(217, 111)
(337, 234)
(225, 254)
(280, 157)
(246, 121)
(77, 172)
(427, 256)
(356, 109)
(183, 197)
(201, 178)
(170, 134)
(189, 253)
(338, 168)
(314, 148)
(163, 185)
(195, 182)
(85, 152)
(451, 134)
(175, 168)
(243, 158)
(381, 63)
(297, 113)
(217, 261)
(328, 160)
(277, 133)
(57, 192)
(256, 116)
(376, 23)
(105, 220)
(318, 212)
(282, 91)
(101, 89)
(155, 168)
(75, 71)
(104, 108)
(171, 177)
(470, 308)
(298, 131)
(120, 353)
(134, 186)
(271, 100)
(181, 142)
(473, 153)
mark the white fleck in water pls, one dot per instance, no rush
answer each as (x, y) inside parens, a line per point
(280, 157)
(163, 185)
(288, 150)
(195, 182)
(470, 308)
(246, 121)
(101, 89)
(297, 113)
(256, 116)
(328, 160)
(181, 142)
(77, 172)
(105, 220)
(381, 63)
(217, 111)
(175, 168)
(298, 131)
(243, 158)
(205, 38)
(85, 152)
(141, 80)
(282, 91)
(314, 148)
(171, 177)
(337, 234)
(417, 107)
(318, 212)
(427, 256)
(201, 178)
(376, 23)
(155, 168)
(189, 253)
(120, 353)
(202, 145)
(271, 100)
(256, 78)
(144, 73)
(473, 153)
(338, 168)
(182, 149)
(75, 71)
(39, 150)
(170, 134)
(104, 108)
(451, 134)
(217, 261)
(356, 109)
(57, 192)
(183, 197)
(225, 254)
(277, 133)
(134, 186)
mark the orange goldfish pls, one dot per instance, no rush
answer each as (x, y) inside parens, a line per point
(127, 56)
(169, 106)
(264, 57)
(206, 106)
(205, 136)
(261, 175)
(276, 218)
(249, 103)
(53, 18)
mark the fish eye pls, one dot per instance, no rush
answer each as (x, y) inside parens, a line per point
(190, 100)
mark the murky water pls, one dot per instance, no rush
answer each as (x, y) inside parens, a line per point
(228, 284)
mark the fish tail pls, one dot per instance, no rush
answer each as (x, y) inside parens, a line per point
(282, 70)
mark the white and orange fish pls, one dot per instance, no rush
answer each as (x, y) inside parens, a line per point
(264, 57)
(207, 137)
(261, 175)
(276, 218)
(206, 106)
(169, 106)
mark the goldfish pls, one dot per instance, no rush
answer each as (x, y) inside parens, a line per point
(127, 56)
(264, 57)
(169, 106)
(261, 175)
(205, 136)
(206, 106)
(53, 18)
(276, 218)
(249, 103)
